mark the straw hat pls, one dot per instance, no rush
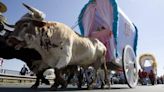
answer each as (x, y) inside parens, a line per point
(3, 7)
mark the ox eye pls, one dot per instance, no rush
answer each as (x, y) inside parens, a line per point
(25, 25)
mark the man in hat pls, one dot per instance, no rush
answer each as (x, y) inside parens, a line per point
(3, 7)
(5, 28)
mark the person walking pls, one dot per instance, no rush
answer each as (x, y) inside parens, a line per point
(24, 70)
(152, 77)
(140, 77)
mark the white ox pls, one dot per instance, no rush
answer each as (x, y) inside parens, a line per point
(57, 43)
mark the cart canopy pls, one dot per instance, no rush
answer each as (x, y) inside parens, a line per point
(105, 13)
(148, 57)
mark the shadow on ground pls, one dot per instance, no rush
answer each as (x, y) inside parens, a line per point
(10, 89)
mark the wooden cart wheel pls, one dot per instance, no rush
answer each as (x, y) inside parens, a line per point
(130, 66)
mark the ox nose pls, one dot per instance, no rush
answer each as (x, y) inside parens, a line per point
(14, 42)
(11, 41)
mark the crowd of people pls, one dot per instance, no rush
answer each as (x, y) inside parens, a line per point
(160, 80)
(145, 76)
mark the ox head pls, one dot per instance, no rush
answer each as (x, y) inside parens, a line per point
(26, 28)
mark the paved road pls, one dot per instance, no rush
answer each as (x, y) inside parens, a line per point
(114, 88)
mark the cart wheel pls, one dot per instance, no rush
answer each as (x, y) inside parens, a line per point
(130, 66)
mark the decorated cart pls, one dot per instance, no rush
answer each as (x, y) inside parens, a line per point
(148, 69)
(103, 19)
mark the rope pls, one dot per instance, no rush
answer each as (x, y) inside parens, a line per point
(74, 26)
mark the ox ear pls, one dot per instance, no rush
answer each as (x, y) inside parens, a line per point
(39, 23)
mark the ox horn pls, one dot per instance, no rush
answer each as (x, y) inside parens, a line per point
(36, 13)
(9, 25)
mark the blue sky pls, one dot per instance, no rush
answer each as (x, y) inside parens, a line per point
(146, 14)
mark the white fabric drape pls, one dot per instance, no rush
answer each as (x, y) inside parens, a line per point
(105, 11)
(96, 15)
(88, 18)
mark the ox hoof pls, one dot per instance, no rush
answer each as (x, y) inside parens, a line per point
(54, 87)
(34, 86)
(64, 86)
(105, 87)
(90, 87)
(46, 82)
(79, 86)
